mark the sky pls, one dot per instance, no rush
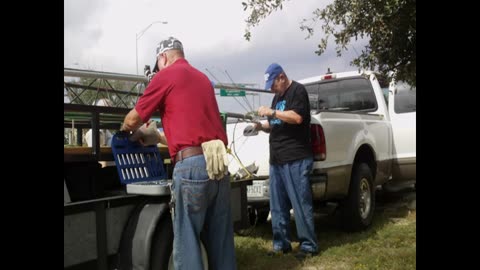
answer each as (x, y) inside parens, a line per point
(102, 35)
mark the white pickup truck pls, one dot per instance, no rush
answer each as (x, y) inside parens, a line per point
(358, 142)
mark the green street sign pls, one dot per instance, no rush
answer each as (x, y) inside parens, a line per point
(232, 93)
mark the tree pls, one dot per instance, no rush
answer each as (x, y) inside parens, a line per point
(390, 26)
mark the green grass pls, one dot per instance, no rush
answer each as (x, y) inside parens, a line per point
(390, 243)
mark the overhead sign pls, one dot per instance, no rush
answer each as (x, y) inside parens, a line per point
(232, 93)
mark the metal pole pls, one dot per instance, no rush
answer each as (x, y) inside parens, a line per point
(136, 51)
(101, 235)
(137, 37)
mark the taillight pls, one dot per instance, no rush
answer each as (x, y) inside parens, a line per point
(318, 143)
(329, 77)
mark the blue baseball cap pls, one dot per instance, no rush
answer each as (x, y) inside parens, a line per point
(271, 73)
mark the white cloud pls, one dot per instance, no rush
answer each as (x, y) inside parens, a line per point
(101, 35)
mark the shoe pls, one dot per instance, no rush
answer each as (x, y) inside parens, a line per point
(272, 253)
(302, 255)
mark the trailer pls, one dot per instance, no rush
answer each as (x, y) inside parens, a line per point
(105, 227)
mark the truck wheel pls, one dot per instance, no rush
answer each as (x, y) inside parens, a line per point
(162, 243)
(257, 215)
(262, 216)
(356, 211)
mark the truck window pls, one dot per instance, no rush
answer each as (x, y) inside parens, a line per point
(385, 94)
(405, 98)
(312, 91)
(352, 94)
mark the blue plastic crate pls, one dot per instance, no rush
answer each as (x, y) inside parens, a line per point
(135, 162)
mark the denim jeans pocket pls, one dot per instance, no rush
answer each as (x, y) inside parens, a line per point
(195, 194)
(307, 167)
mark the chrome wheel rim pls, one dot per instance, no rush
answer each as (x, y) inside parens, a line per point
(365, 198)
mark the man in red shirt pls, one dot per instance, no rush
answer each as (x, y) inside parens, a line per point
(185, 98)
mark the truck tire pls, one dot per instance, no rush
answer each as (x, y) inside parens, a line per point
(162, 244)
(161, 239)
(257, 215)
(356, 211)
(124, 250)
(262, 216)
(204, 258)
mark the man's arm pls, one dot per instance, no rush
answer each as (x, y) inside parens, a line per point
(132, 121)
(162, 138)
(290, 116)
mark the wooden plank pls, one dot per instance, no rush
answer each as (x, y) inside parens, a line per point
(77, 153)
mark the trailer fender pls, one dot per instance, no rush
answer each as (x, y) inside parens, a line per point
(136, 243)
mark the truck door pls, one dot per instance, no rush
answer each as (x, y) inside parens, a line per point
(402, 103)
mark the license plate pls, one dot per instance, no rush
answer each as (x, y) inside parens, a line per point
(255, 190)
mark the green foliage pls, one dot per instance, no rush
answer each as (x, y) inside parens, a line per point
(389, 25)
(260, 10)
(390, 243)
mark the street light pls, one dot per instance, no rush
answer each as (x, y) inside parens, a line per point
(140, 34)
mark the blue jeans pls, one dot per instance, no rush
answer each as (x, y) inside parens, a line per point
(290, 186)
(202, 211)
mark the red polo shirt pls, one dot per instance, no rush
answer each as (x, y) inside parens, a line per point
(185, 98)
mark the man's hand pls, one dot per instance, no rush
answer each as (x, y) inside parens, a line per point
(147, 134)
(257, 125)
(150, 76)
(260, 126)
(265, 111)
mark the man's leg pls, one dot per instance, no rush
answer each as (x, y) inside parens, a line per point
(280, 209)
(300, 194)
(190, 188)
(219, 227)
